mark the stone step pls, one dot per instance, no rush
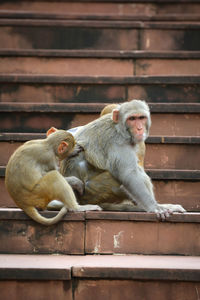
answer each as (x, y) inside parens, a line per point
(161, 152)
(161, 17)
(170, 186)
(100, 233)
(49, 88)
(101, 63)
(85, 277)
(182, 119)
(119, 8)
(98, 35)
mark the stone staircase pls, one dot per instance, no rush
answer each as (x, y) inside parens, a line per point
(60, 63)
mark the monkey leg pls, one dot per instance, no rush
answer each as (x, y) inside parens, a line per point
(50, 186)
(104, 190)
(100, 186)
(54, 186)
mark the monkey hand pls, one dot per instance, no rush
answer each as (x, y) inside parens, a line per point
(163, 211)
(77, 149)
(89, 207)
(76, 184)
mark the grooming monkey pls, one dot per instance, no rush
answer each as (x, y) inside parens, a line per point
(33, 180)
(109, 165)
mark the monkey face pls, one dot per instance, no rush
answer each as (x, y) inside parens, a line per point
(136, 123)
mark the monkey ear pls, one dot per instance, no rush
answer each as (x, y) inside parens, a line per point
(51, 130)
(115, 115)
(62, 148)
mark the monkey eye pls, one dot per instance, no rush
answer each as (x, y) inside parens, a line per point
(142, 117)
(132, 118)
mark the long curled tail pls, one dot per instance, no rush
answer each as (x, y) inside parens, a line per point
(33, 213)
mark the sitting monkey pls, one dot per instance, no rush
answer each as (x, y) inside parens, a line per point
(33, 180)
(108, 164)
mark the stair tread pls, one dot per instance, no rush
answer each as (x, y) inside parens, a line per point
(101, 23)
(138, 1)
(23, 137)
(102, 266)
(101, 53)
(158, 174)
(98, 16)
(143, 79)
(18, 214)
(93, 107)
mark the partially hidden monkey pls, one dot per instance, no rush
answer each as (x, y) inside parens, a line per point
(108, 164)
(33, 180)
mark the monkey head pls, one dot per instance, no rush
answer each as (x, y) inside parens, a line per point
(63, 142)
(132, 120)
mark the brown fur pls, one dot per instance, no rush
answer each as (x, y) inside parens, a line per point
(32, 176)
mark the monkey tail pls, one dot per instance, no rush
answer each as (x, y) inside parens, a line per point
(33, 213)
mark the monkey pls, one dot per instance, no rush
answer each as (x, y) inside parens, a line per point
(111, 190)
(108, 164)
(33, 179)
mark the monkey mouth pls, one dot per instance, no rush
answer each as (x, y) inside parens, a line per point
(139, 137)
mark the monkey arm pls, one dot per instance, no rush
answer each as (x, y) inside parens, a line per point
(76, 184)
(132, 177)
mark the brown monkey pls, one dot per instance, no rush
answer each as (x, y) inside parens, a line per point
(108, 165)
(33, 180)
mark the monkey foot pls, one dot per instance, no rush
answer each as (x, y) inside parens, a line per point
(89, 207)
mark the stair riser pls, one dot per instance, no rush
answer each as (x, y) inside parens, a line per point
(36, 289)
(98, 66)
(157, 238)
(181, 192)
(61, 37)
(62, 66)
(162, 124)
(158, 156)
(102, 289)
(102, 237)
(92, 8)
(39, 92)
(29, 237)
(81, 289)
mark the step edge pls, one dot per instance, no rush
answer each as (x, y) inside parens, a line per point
(18, 214)
(138, 25)
(35, 274)
(139, 274)
(67, 267)
(152, 139)
(121, 54)
(28, 14)
(92, 107)
(143, 79)
(158, 174)
(188, 217)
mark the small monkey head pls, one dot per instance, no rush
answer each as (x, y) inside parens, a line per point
(62, 142)
(133, 120)
(108, 109)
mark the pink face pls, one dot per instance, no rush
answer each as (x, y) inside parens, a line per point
(137, 125)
